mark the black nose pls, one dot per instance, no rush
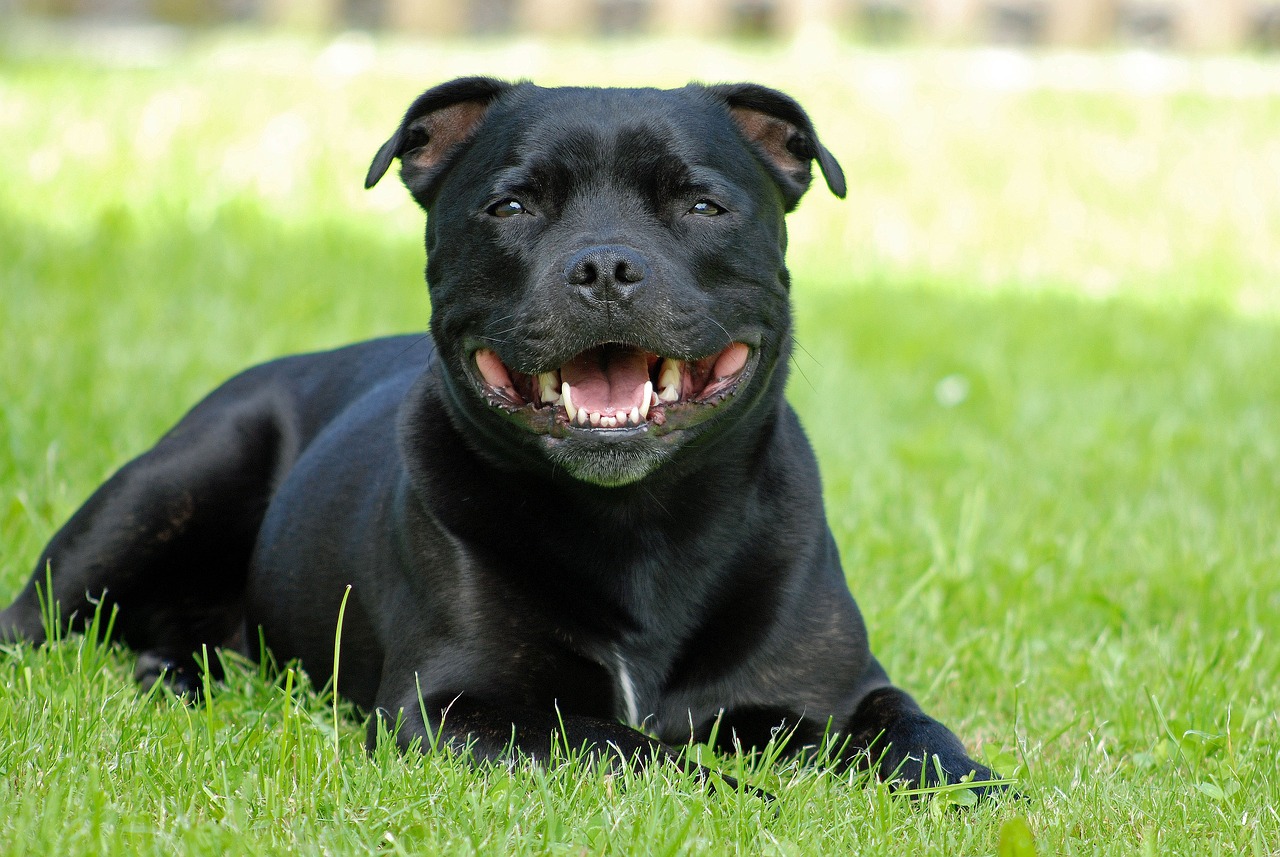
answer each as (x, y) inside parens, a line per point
(606, 272)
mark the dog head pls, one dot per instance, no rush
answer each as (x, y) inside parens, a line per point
(606, 266)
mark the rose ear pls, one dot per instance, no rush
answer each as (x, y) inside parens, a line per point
(782, 136)
(433, 128)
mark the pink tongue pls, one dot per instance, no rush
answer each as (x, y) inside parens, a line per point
(605, 380)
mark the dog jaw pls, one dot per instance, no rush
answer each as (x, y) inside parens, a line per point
(609, 465)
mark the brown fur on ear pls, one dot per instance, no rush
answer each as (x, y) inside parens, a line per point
(783, 136)
(434, 126)
(772, 134)
(440, 132)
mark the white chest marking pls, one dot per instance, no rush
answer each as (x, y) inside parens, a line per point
(628, 691)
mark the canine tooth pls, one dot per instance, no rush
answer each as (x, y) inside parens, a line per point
(547, 391)
(595, 418)
(635, 416)
(669, 394)
(646, 401)
(568, 401)
(670, 374)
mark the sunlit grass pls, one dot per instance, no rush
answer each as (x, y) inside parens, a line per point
(1037, 351)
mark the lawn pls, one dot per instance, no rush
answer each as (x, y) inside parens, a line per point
(1038, 359)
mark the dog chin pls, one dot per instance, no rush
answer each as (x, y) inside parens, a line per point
(611, 466)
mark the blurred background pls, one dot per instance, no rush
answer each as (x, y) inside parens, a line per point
(1194, 24)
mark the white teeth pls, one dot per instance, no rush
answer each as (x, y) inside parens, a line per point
(547, 391)
(567, 399)
(669, 376)
(618, 419)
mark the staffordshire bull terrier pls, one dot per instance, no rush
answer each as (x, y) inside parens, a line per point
(580, 511)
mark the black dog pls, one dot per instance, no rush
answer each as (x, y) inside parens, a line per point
(586, 505)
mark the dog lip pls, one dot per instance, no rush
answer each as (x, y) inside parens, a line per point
(621, 390)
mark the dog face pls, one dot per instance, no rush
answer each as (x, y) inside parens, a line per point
(606, 266)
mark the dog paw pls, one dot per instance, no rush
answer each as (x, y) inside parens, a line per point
(913, 752)
(156, 666)
(19, 625)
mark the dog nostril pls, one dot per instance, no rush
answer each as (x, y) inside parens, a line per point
(627, 271)
(584, 273)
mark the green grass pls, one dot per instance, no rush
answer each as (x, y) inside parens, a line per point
(1038, 361)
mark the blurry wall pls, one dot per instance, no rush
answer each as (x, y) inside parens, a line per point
(1187, 24)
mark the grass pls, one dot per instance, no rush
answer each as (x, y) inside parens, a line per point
(1038, 361)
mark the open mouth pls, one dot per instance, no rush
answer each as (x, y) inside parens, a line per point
(615, 386)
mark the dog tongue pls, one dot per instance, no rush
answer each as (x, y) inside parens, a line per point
(608, 379)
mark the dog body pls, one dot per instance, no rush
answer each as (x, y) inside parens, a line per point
(580, 508)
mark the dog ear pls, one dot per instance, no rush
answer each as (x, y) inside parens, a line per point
(434, 126)
(783, 137)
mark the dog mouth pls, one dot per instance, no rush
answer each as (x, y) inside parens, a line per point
(614, 388)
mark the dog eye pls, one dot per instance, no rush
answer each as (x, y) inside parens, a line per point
(706, 208)
(507, 208)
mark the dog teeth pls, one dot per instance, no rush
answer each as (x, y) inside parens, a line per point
(669, 377)
(548, 389)
(583, 417)
(566, 398)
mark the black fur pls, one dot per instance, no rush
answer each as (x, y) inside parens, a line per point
(527, 580)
